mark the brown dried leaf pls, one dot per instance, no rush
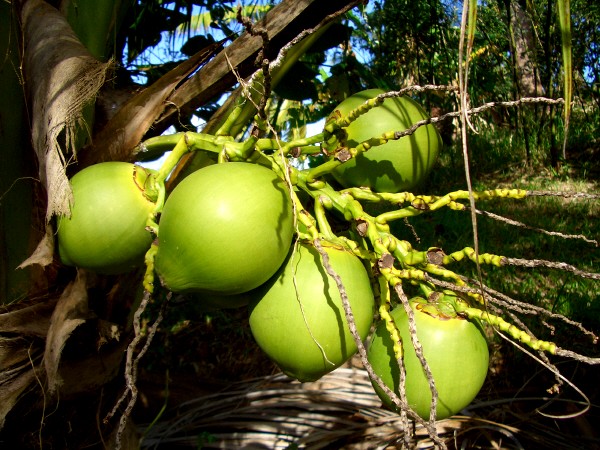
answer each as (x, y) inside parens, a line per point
(10, 392)
(124, 131)
(43, 255)
(71, 312)
(19, 359)
(31, 320)
(13, 351)
(89, 374)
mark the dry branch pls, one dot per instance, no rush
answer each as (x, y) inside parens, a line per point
(117, 140)
(282, 23)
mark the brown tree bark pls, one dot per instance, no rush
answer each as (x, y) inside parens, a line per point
(525, 46)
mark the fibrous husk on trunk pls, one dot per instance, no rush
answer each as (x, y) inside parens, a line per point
(70, 312)
(99, 349)
(12, 386)
(22, 333)
(61, 78)
(57, 344)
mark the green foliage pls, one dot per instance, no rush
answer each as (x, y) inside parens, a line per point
(395, 44)
(17, 169)
(411, 42)
(577, 298)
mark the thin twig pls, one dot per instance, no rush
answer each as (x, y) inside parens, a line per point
(576, 356)
(518, 322)
(286, 48)
(463, 75)
(130, 352)
(131, 365)
(576, 195)
(510, 303)
(539, 230)
(471, 111)
(554, 370)
(453, 114)
(551, 265)
(262, 59)
(412, 327)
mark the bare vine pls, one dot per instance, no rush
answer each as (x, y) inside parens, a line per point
(131, 364)
(531, 263)
(574, 195)
(501, 299)
(516, 223)
(362, 352)
(469, 112)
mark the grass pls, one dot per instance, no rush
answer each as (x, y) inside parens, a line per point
(559, 291)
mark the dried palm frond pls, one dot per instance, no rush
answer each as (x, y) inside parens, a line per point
(339, 411)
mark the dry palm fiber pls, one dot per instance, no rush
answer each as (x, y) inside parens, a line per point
(339, 411)
(61, 78)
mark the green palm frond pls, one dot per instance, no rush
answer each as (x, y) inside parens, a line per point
(564, 20)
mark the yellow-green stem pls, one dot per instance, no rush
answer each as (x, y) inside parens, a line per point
(232, 118)
(468, 252)
(149, 274)
(384, 313)
(321, 217)
(510, 329)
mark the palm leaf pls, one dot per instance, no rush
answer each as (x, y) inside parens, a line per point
(564, 20)
(341, 410)
(284, 22)
(203, 21)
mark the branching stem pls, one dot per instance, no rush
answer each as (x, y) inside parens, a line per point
(362, 352)
(131, 364)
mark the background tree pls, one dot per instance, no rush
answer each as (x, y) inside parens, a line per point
(516, 53)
